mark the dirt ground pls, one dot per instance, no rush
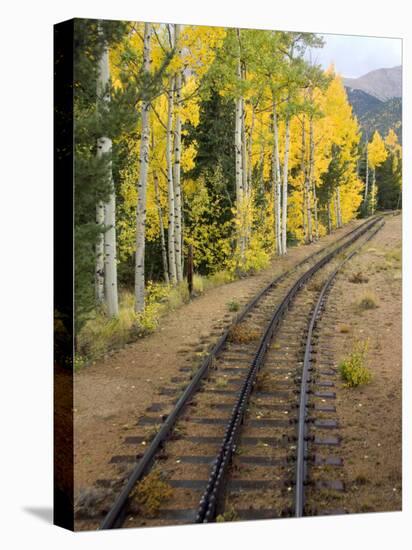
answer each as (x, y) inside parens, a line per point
(110, 395)
(370, 415)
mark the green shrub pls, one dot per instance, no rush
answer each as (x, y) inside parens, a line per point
(152, 492)
(228, 515)
(368, 301)
(353, 369)
(233, 305)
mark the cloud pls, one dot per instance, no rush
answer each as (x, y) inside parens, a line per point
(354, 56)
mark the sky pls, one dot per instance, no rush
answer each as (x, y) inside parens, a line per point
(354, 56)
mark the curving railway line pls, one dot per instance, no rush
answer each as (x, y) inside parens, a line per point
(253, 434)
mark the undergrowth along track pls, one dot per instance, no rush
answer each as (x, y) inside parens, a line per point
(226, 352)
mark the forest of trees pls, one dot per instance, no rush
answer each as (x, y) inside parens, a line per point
(225, 140)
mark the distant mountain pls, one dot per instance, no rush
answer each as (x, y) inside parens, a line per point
(362, 102)
(382, 84)
(380, 108)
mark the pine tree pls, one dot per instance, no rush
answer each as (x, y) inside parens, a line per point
(93, 181)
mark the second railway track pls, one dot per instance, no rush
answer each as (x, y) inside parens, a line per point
(253, 423)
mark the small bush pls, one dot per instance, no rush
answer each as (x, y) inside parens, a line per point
(242, 334)
(344, 329)
(233, 305)
(221, 382)
(358, 278)
(151, 493)
(368, 301)
(353, 369)
(228, 515)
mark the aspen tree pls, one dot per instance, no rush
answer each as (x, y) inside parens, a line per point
(285, 186)
(102, 82)
(277, 181)
(312, 183)
(107, 212)
(366, 196)
(329, 217)
(99, 268)
(338, 208)
(142, 183)
(303, 183)
(250, 150)
(171, 246)
(177, 160)
(376, 154)
(238, 154)
(161, 228)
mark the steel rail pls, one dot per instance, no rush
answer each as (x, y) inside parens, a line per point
(302, 441)
(214, 489)
(114, 517)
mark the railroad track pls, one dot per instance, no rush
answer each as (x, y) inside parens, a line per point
(247, 426)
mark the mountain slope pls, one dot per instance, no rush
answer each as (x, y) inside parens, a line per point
(374, 114)
(382, 84)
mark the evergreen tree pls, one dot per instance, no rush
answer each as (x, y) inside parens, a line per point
(93, 118)
(331, 180)
(389, 183)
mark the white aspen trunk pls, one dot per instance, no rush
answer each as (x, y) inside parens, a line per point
(335, 205)
(245, 167)
(315, 210)
(171, 191)
(110, 260)
(99, 267)
(107, 212)
(245, 173)
(309, 230)
(367, 177)
(329, 218)
(285, 188)
(99, 270)
(339, 210)
(238, 150)
(142, 185)
(161, 228)
(250, 147)
(277, 177)
(239, 160)
(177, 159)
(304, 186)
(312, 183)
(308, 184)
(373, 191)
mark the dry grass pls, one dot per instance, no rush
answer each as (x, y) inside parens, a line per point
(151, 493)
(358, 278)
(263, 382)
(228, 515)
(394, 255)
(367, 302)
(316, 286)
(242, 334)
(101, 335)
(221, 382)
